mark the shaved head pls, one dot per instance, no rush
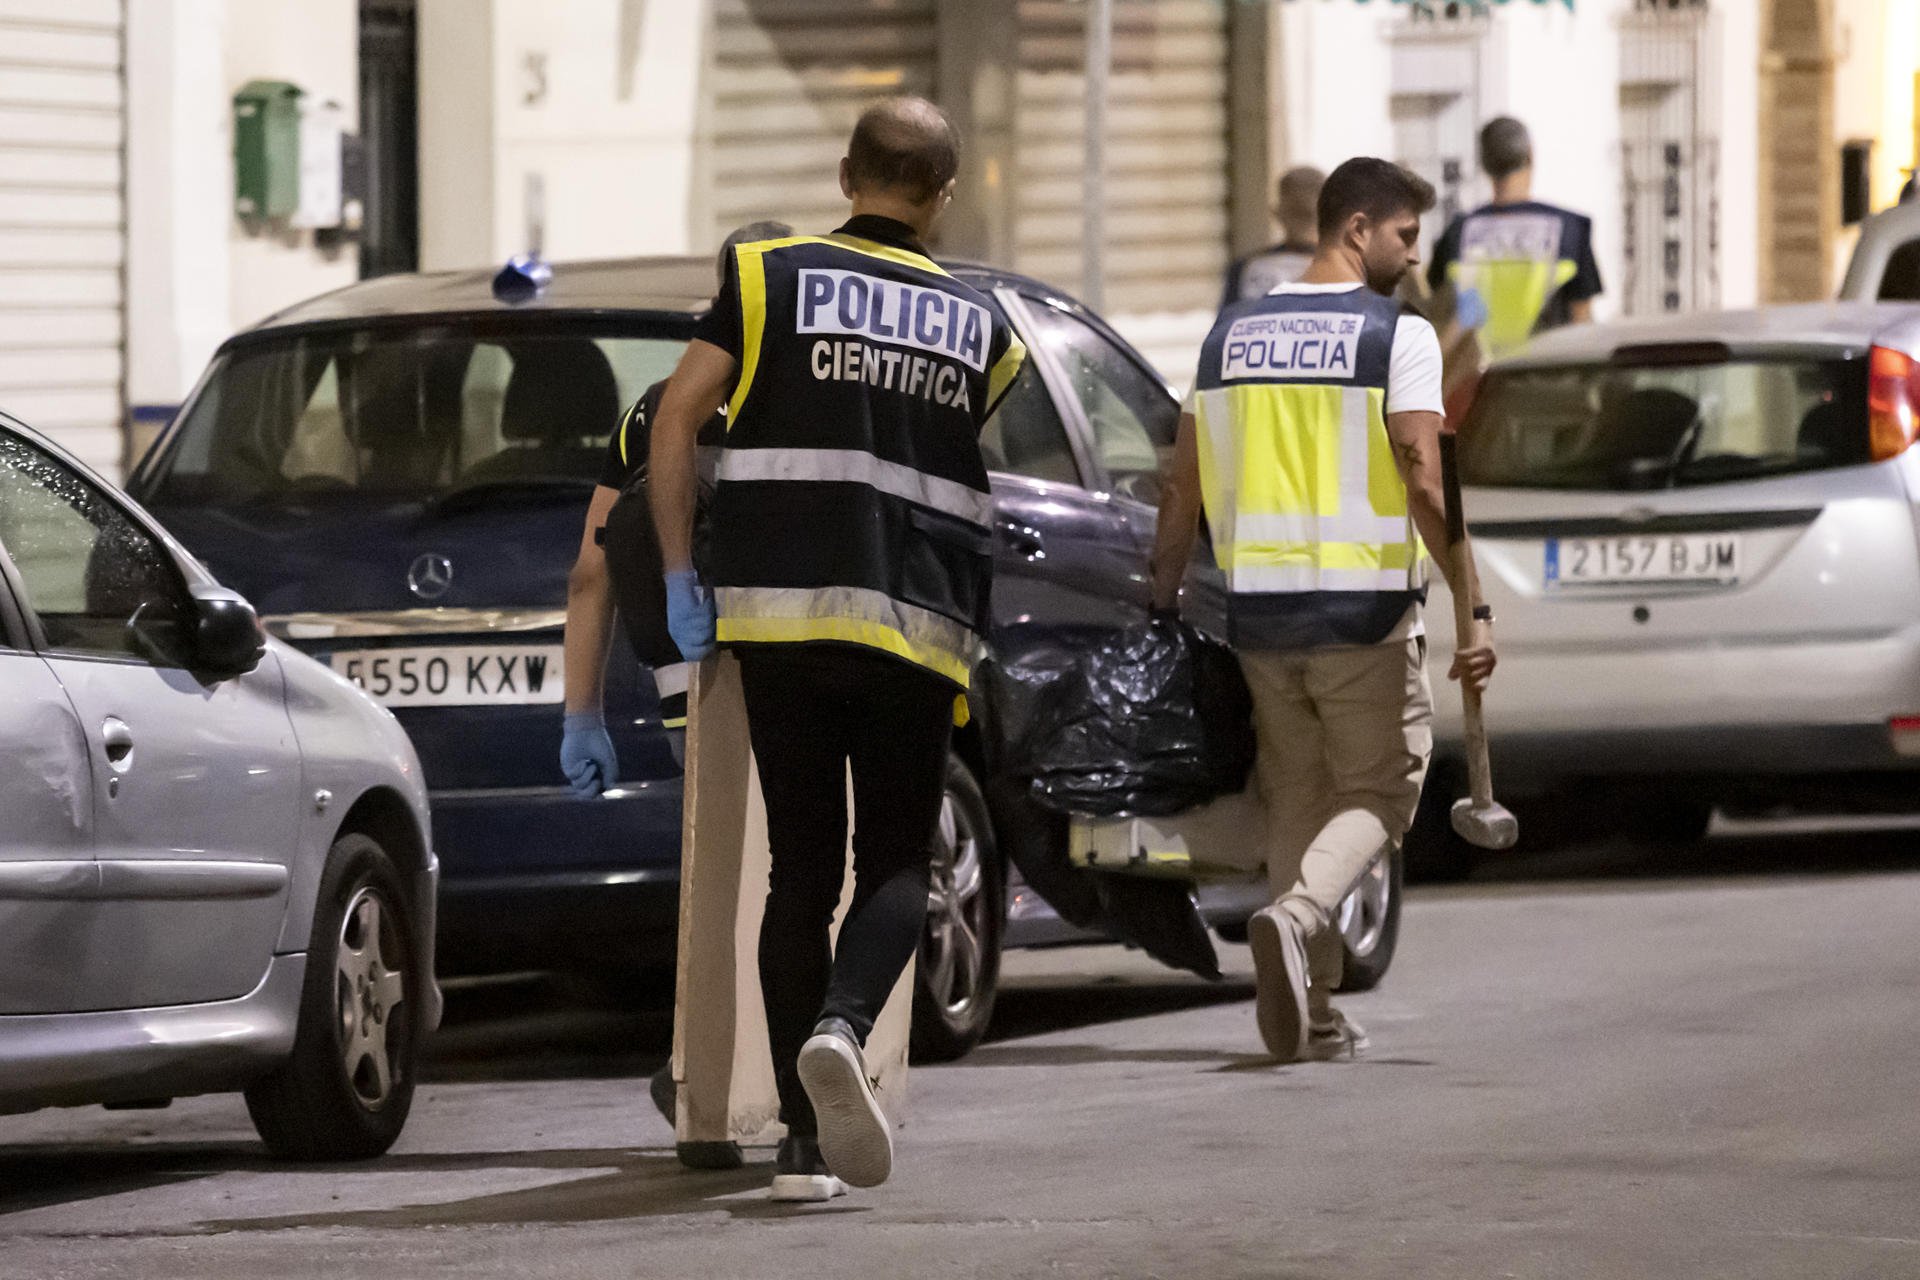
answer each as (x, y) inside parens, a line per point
(904, 146)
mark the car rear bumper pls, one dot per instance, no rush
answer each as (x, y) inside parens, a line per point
(1705, 708)
(535, 878)
(134, 1055)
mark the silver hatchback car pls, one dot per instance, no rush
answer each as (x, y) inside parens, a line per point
(1699, 538)
(215, 869)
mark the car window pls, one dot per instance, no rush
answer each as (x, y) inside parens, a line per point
(406, 414)
(90, 573)
(1025, 435)
(1626, 427)
(1901, 280)
(1132, 416)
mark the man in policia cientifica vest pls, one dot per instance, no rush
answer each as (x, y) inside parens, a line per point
(1531, 263)
(1311, 442)
(847, 567)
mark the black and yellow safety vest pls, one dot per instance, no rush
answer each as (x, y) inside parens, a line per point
(852, 503)
(1304, 502)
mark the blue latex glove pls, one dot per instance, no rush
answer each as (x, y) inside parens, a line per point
(586, 754)
(689, 615)
(1470, 309)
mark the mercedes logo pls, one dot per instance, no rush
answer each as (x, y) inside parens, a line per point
(430, 575)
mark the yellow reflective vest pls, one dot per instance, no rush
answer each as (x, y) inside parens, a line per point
(1305, 506)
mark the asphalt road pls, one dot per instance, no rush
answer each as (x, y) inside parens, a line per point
(1666, 1063)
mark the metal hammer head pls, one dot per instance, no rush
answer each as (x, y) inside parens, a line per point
(1488, 827)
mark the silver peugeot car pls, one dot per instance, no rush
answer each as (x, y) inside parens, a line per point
(1699, 538)
(215, 870)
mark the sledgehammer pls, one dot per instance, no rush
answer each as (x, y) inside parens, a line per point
(1478, 819)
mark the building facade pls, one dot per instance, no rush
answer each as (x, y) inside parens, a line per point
(1723, 147)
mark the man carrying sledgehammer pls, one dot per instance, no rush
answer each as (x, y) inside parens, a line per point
(1311, 439)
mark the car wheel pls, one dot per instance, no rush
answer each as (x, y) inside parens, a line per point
(1369, 924)
(346, 1091)
(1432, 849)
(958, 973)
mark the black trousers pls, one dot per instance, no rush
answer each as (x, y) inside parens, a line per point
(811, 711)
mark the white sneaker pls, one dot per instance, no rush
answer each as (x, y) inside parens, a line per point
(801, 1176)
(1280, 982)
(854, 1135)
(1337, 1037)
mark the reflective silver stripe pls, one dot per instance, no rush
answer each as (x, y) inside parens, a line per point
(1215, 414)
(1356, 456)
(1364, 528)
(671, 679)
(922, 628)
(1269, 578)
(859, 467)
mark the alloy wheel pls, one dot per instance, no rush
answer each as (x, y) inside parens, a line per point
(370, 993)
(952, 949)
(1363, 915)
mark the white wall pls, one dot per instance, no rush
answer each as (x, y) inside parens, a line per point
(597, 98)
(1734, 32)
(1542, 60)
(194, 274)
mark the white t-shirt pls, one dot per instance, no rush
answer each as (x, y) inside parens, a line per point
(1413, 386)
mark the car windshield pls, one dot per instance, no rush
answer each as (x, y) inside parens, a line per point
(1620, 426)
(417, 414)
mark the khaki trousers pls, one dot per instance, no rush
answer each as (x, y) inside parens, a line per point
(1344, 736)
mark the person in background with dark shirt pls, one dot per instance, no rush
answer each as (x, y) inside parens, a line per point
(586, 749)
(1296, 205)
(1529, 262)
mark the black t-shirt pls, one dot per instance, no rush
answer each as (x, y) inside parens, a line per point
(627, 446)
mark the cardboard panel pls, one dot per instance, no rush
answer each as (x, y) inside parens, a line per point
(720, 1058)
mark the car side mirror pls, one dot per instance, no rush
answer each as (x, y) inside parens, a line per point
(228, 639)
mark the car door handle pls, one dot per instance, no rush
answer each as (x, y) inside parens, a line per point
(117, 738)
(1024, 539)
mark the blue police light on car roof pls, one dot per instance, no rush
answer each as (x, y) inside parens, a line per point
(524, 278)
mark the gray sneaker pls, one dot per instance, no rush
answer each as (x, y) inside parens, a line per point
(1280, 982)
(1335, 1038)
(855, 1137)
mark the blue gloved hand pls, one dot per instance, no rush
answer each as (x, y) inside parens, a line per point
(689, 615)
(586, 754)
(1470, 309)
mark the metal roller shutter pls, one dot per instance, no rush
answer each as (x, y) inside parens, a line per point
(1167, 151)
(63, 221)
(788, 80)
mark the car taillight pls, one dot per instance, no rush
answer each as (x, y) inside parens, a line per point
(1893, 402)
(1905, 732)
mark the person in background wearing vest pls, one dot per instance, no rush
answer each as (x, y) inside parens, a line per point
(1531, 264)
(586, 748)
(1311, 442)
(1296, 205)
(851, 548)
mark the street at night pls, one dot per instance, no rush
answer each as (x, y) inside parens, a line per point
(1609, 1060)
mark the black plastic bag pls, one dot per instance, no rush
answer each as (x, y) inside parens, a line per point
(1152, 720)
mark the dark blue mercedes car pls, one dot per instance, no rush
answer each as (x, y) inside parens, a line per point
(395, 475)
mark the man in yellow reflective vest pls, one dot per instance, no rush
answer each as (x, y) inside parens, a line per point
(848, 567)
(1311, 442)
(1519, 265)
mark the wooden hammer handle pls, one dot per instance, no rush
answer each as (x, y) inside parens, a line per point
(1468, 632)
